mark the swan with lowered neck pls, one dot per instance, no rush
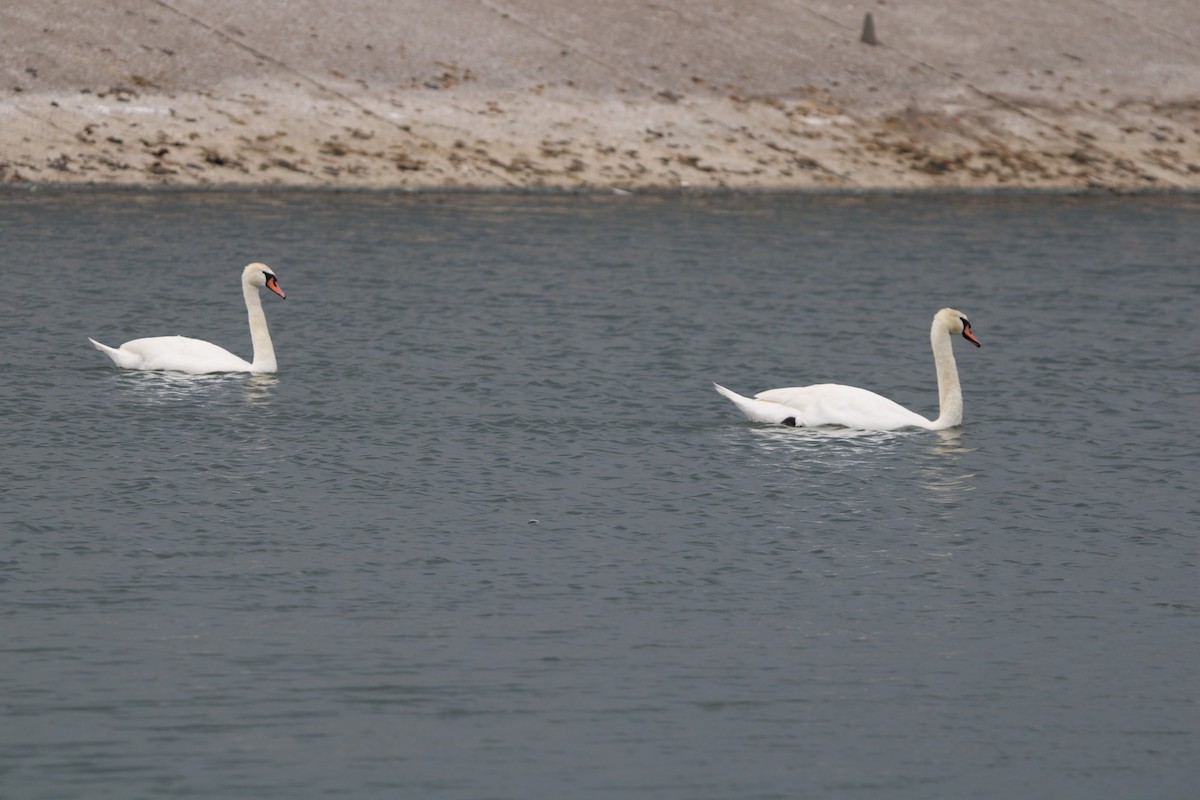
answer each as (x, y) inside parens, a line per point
(181, 354)
(851, 407)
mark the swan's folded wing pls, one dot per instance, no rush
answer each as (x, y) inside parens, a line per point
(184, 354)
(799, 397)
(848, 406)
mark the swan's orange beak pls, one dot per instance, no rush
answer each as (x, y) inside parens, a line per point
(970, 337)
(273, 285)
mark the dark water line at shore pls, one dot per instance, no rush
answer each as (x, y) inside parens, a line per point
(585, 191)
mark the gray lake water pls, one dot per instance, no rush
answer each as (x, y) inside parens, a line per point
(489, 533)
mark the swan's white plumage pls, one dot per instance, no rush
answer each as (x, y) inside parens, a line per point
(852, 407)
(196, 356)
(177, 353)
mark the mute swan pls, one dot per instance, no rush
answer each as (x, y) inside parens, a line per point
(196, 356)
(851, 407)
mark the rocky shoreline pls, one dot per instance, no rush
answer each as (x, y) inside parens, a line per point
(192, 94)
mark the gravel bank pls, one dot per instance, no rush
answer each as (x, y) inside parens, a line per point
(428, 94)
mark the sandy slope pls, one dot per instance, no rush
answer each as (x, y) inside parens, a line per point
(606, 93)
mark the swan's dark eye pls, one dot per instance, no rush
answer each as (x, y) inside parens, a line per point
(966, 323)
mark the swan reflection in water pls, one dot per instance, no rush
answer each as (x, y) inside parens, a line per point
(259, 390)
(943, 474)
(167, 388)
(829, 451)
(937, 459)
(827, 439)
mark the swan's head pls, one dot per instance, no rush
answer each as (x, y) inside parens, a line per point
(955, 323)
(261, 275)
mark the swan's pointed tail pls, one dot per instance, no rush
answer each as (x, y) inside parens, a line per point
(760, 410)
(122, 358)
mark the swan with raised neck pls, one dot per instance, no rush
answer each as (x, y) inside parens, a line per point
(852, 407)
(196, 356)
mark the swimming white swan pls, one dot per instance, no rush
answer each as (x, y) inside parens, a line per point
(181, 354)
(849, 406)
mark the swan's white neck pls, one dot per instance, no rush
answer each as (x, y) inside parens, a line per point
(264, 352)
(950, 400)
